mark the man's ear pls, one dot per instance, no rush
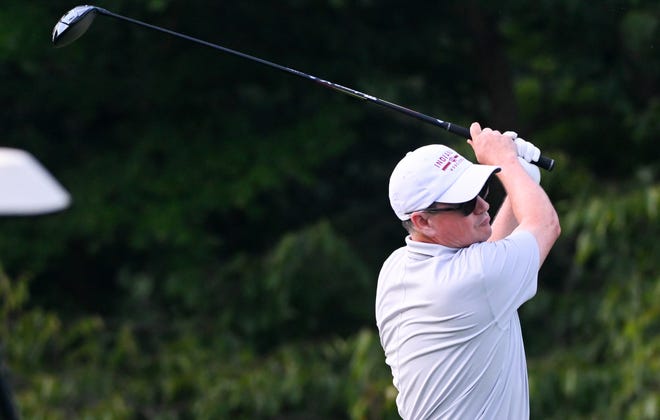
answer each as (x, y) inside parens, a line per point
(419, 221)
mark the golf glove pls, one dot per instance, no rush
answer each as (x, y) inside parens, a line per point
(532, 170)
(527, 152)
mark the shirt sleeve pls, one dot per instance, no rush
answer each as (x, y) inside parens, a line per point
(510, 268)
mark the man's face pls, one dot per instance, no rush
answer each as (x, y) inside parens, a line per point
(453, 228)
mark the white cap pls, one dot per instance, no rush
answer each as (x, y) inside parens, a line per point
(435, 173)
(26, 187)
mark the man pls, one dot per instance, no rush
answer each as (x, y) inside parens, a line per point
(446, 303)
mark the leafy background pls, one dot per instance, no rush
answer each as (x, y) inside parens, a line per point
(229, 221)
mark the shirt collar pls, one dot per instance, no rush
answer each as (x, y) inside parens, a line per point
(421, 250)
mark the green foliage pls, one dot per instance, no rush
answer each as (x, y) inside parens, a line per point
(605, 364)
(59, 362)
(229, 221)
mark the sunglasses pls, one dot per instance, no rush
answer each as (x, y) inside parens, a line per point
(466, 208)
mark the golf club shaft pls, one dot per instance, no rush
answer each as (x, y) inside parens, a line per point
(543, 162)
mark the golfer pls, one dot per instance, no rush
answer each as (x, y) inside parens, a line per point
(446, 302)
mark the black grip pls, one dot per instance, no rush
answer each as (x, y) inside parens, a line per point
(458, 130)
(545, 163)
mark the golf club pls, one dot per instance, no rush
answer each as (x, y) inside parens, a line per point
(76, 21)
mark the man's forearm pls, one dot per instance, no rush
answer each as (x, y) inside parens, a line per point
(504, 223)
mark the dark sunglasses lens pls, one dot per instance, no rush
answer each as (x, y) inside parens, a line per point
(468, 207)
(484, 191)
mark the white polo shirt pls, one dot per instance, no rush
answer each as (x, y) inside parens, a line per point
(449, 326)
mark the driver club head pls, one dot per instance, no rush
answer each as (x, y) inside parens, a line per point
(73, 24)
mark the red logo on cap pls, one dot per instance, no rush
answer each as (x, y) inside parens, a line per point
(447, 159)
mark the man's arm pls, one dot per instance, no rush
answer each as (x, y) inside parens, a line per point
(529, 204)
(504, 223)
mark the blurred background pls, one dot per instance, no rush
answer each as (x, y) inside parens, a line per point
(228, 223)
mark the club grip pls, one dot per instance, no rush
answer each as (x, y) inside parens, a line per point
(544, 162)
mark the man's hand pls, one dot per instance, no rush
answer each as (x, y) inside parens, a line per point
(492, 147)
